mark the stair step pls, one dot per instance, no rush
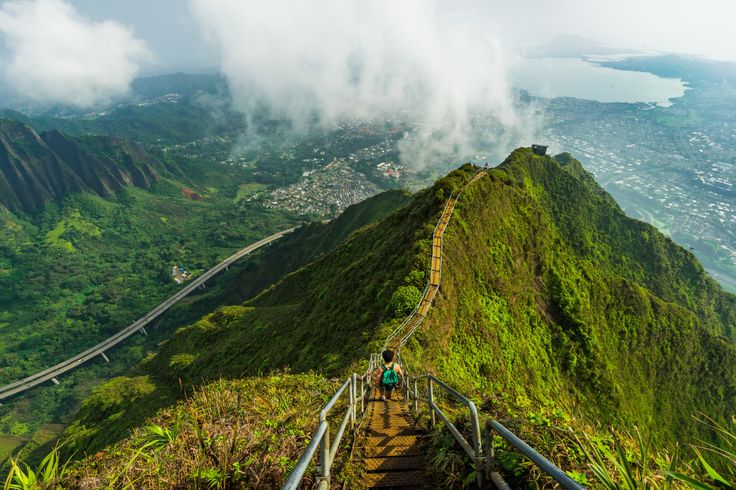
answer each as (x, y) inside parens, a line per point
(384, 451)
(393, 463)
(406, 479)
(399, 421)
(392, 432)
(389, 441)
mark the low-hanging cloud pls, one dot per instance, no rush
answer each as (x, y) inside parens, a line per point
(53, 55)
(337, 59)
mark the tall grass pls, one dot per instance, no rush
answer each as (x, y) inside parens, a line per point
(47, 475)
(715, 464)
(707, 466)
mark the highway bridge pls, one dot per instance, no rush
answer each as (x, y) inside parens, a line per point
(52, 373)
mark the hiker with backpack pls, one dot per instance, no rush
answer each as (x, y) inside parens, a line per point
(386, 377)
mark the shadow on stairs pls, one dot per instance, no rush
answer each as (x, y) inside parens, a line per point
(391, 447)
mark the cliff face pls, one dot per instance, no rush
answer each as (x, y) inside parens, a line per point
(37, 168)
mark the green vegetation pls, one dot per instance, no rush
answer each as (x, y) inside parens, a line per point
(557, 314)
(551, 297)
(85, 266)
(553, 310)
(248, 190)
(48, 475)
(245, 433)
(59, 403)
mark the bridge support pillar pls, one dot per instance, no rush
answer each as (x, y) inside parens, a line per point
(104, 357)
(55, 381)
(143, 331)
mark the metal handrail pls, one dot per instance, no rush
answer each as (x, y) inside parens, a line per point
(543, 463)
(483, 465)
(450, 205)
(393, 335)
(321, 438)
(475, 451)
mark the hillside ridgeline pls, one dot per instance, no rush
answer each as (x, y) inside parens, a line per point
(552, 300)
(37, 168)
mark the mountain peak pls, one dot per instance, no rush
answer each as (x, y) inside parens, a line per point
(37, 168)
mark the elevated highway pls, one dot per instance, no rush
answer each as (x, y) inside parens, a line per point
(52, 373)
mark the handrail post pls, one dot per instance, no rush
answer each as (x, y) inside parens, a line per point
(477, 447)
(489, 453)
(351, 396)
(323, 475)
(415, 396)
(362, 395)
(430, 403)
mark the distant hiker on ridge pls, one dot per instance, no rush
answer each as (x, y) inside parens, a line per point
(386, 377)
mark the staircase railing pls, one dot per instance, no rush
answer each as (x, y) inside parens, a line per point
(493, 426)
(321, 438)
(484, 465)
(399, 333)
(472, 448)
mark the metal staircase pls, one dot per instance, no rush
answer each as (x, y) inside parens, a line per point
(386, 436)
(390, 446)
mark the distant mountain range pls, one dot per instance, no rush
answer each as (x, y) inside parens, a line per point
(38, 167)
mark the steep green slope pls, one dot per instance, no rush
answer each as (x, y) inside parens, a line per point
(156, 383)
(37, 168)
(254, 448)
(84, 266)
(310, 242)
(526, 315)
(552, 296)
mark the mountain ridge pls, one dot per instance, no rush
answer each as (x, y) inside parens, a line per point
(38, 168)
(527, 318)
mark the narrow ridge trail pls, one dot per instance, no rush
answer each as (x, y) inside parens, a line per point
(390, 439)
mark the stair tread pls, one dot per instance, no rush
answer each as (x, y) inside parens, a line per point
(393, 463)
(390, 441)
(392, 432)
(411, 479)
(384, 451)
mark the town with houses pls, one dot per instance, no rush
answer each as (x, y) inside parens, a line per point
(324, 192)
(679, 181)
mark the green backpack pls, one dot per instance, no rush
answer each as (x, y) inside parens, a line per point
(389, 378)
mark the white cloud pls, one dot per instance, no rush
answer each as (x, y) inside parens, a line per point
(53, 55)
(337, 58)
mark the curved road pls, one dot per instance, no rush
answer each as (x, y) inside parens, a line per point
(51, 373)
